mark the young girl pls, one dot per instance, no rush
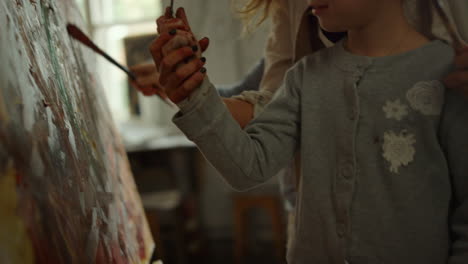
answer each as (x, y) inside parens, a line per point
(384, 146)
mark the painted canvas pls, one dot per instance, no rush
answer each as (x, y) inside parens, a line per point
(67, 194)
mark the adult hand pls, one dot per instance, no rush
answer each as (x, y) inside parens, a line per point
(175, 33)
(176, 57)
(459, 78)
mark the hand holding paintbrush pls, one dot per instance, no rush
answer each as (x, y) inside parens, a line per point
(175, 41)
(79, 35)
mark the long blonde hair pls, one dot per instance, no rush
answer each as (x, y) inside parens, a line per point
(254, 12)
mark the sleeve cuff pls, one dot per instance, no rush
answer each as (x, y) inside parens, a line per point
(200, 111)
(195, 97)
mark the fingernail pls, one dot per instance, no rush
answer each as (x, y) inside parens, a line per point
(203, 59)
(173, 32)
(195, 48)
(203, 70)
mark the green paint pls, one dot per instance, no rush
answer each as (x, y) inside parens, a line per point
(56, 65)
(95, 162)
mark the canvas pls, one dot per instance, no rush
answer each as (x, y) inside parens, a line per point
(67, 194)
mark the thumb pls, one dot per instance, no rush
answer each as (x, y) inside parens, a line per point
(180, 13)
(168, 13)
(204, 43)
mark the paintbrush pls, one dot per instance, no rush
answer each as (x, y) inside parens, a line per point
(452, 30)
(172, 7)
(77, 34)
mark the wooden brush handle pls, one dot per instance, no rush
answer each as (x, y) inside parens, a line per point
(77, 34)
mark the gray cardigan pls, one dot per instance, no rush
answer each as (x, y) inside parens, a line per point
(384, 153)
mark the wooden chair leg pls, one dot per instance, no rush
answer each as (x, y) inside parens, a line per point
(239, 233)
(278, 229)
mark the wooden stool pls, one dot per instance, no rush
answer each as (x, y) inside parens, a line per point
(272, 205)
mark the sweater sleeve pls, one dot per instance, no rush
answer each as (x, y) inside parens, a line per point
(245, 158)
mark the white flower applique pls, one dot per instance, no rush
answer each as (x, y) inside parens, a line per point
(395, 110)
(427, 97)
(398, 149)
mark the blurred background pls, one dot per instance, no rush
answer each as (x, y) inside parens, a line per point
(194, 215)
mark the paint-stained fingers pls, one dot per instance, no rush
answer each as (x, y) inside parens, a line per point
(169, 62)
(166, 43)
(159, 91)
(148, 80)
(184, 91)
(178, 41)
(166, 26)
(204, 43)
(183, 72)
(143, 69)
(167, 22)
(146, 74)
(144, 90)
(168, 12)
(156, 48)
(180, 13)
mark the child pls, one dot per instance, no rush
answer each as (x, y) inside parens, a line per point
(384, 146)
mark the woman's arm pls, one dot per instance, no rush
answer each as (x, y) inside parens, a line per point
(278, 58)
(458, 79)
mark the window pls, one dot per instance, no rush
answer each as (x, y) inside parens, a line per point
(110, 21)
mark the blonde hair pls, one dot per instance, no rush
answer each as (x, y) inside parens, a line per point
(254, 12)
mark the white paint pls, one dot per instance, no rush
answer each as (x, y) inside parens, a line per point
(82, 203)
(71, 137)
(62, 155)
(53, 134)
(44, 68)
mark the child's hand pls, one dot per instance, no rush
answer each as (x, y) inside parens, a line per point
(459, 78)
(177, 56)
(147, 80)
(180, 73)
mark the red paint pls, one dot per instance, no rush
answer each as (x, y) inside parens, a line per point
(140, 239)
(100, 254)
